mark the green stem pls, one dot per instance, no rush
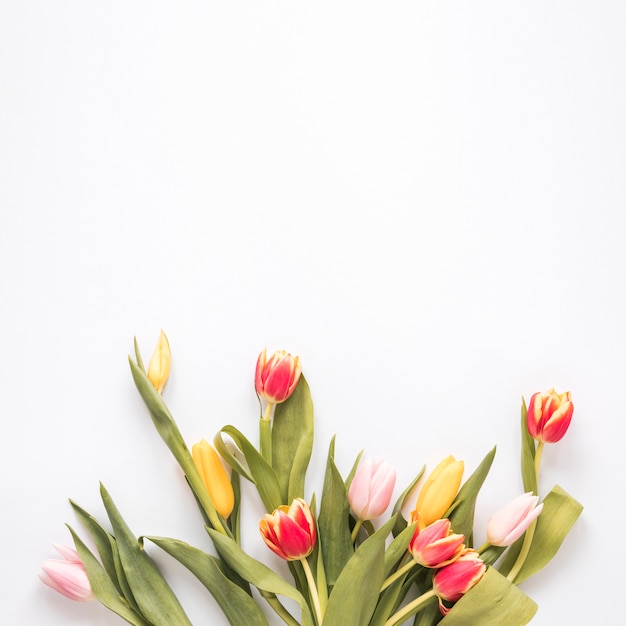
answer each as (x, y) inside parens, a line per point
(265, 434)
(530, 531)
(313, 590)
(483, 547)
(280, 610)
(403, 570)
(355, 530)
(410, 609)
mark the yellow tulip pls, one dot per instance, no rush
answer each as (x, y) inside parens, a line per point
(214, 477)
(438, 492)
(160, 364)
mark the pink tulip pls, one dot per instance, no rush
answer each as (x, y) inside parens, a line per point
(290, 530)
(371, 489)
(436, 546)
(67, 576)
(454, 580)
(549, 415)
(276, 378)
(512, 520)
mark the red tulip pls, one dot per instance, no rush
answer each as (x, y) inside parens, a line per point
(454, 580)
(549, 415)
(276, 378)
(290, 530)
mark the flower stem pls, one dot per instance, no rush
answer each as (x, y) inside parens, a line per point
(530, 531)
(281, 611)
(410, 609)
(355, 530)
(403, 570)
(265, 434)
(313, 590)
(483, 547)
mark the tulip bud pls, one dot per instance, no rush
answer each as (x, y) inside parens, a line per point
(436, 546)
(276, 378)
(549, 415)
(160, 364)
(214, 477)
(67, 576)
(438, 492)
(454, 580)
(512, 520)
(290, 530)
(371, 489)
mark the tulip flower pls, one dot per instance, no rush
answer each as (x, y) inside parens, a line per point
(214, 477)
(290, 533)
(290, 530)
(438, 492)
(276, 378)
(454, 580)
(67, 576)
(436, 546)
(160, 364)
(371, 489)
(549, 415)
(511, 521)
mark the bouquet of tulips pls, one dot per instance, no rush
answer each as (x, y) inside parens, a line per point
(347, 566)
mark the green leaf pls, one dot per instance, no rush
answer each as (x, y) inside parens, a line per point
(238, 606)
(355, 594)
(493, 601)
(169, 432)
(257, 573)
(529, 476)
(560, 512)
(107, 549)
(333, 521)
(103, 587)
(398, 547)
(154, 596)
(352, 472)
(462, 509)
(401, 501)
(259, 471)
(292, 441)
(430, 615)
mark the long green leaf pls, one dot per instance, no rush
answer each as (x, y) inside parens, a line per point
(353, 599)
(398, 547)
(258, 574)
(462, 509)
(292, 441)
(494, 601)
(529, 477)
(153, 595)
(107, 549)
(333, 521)
(401, 523)
(103, 587)
(238, 606)
(560, 512)
(169, 432)
(259, 471)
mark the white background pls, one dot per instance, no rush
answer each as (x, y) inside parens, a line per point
(425, 200)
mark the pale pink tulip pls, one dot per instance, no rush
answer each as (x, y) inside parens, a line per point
(67, 576)
(371, 489)
(512, 520)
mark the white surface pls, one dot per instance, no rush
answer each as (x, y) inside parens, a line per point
(425, 200)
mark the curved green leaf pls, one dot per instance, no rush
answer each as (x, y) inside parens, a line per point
(103, 587)
(529, 476)
(258, 574)
(154, 596)
(259, 471)
(401, 523)
(238, 606)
